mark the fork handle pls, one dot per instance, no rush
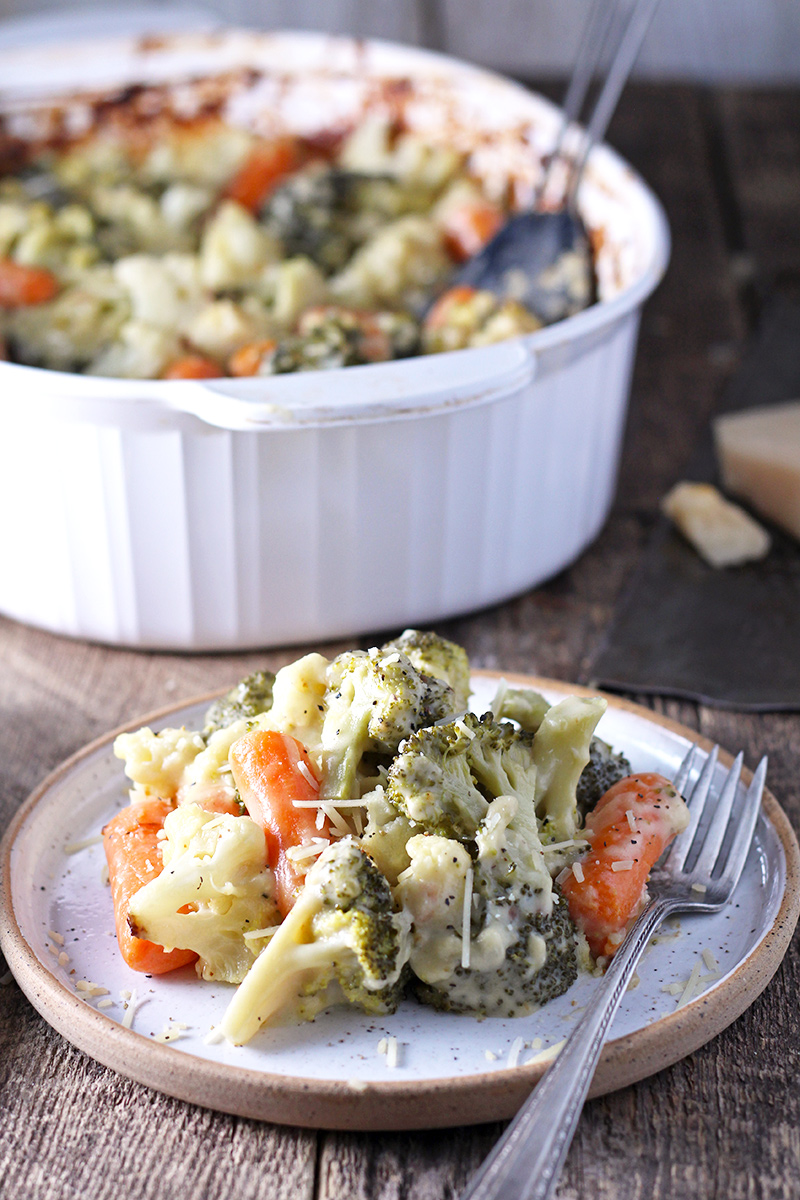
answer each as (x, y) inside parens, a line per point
(526, 1162)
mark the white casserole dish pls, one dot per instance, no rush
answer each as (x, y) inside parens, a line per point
(266, 511)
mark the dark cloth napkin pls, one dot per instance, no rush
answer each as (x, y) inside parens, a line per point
(728, 638)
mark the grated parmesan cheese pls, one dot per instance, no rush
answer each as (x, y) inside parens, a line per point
(517, 1046)
(130, 1010)
(383, 1046)
(91, 989)
(57, 938)
(623, 864)
(569, 844)
(709, 960)
(106, 1002)
(306, 773)
(499, 696)
(490, 1056)
(577, 871)
(548, 1053)
(691, 983)
(63, 958)
(308, 850)
(171, 1032)
(466, 921)
(392, 1052)
(631, 820)
(74, 847)
(699, 887)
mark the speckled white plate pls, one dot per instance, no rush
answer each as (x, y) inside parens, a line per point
(451, 1069)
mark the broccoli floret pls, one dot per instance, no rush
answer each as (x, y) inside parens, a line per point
(523, 705)
(251, 696)
(434, 655)
(342, 941)
(445, 776)
(213, 895)
(326, 214)
(604, 769)
(522, 944)
(519, 984)
(373, 702)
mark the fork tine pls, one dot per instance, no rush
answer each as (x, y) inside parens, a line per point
(744, 829)
(715, 834)
(684, 770)
(697, 802)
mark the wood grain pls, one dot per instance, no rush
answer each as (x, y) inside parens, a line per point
(722, 1124)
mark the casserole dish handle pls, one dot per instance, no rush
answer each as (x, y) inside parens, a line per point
(413, 387)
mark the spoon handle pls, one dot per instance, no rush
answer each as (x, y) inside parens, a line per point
(638, 23)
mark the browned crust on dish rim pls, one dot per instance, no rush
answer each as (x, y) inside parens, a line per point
(334, 1104)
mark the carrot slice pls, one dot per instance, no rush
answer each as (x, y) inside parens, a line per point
(629, 830)
(467, 229)
(247, 359)
(267, 165)
(440, 312)
(271, 771)
(21, 286)
(193, 366)
(130, 840)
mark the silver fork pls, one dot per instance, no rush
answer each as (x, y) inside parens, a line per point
(526, 1162)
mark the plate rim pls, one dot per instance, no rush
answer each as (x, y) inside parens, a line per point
(394, 1104)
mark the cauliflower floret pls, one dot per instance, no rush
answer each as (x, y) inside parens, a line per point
(141, 351)
(431, 889)
(396, 266)
(183, 203)
(298, 696)
(164, 291)
(234, 248)
(156, 761)
(76, 327)
(296, 285)
(214, 866)
(222, 326)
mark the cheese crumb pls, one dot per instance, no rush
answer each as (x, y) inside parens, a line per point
(721, 533)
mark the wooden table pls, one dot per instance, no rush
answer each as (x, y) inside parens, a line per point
(723, 1123)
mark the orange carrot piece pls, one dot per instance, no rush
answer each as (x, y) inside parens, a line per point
(266, 166)
(193, 366)
(603, 899)
(247, 359)
(439, 313)
(21, 286)
(467, 229)
(130, 840)
(271, 771)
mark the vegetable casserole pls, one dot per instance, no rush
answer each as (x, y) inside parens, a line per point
(348, 831)
(155, 247)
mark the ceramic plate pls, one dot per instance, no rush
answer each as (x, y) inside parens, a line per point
(329, 1073)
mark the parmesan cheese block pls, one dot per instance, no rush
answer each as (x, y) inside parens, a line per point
(759, 456)
(721, 532)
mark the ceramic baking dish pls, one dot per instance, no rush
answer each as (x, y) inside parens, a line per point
(252, 512)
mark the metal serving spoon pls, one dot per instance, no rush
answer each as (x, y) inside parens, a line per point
(543, 257)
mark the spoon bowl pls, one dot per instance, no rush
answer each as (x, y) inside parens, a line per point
(542, 259)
